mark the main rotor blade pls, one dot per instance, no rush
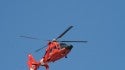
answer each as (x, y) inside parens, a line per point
(64, 32)
(40, 48)
(29, 37)
(74, 41)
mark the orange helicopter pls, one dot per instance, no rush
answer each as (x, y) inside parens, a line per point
(55, 50)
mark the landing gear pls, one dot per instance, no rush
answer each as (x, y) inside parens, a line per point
(66, 57)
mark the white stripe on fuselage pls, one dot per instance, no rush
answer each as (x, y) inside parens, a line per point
(42, 63)
(31, 69)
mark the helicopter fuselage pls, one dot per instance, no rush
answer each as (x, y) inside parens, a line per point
(56, 51)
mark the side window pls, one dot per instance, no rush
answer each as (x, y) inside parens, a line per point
(52, 49)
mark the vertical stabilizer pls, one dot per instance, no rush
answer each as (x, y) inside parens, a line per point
(32, 64)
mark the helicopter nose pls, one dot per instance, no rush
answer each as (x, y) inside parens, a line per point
(69, 47)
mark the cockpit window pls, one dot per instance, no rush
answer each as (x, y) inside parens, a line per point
(63, 45)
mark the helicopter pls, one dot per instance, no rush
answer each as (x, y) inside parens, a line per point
(55, 50)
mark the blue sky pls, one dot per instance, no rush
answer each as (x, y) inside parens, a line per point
(101, 22)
